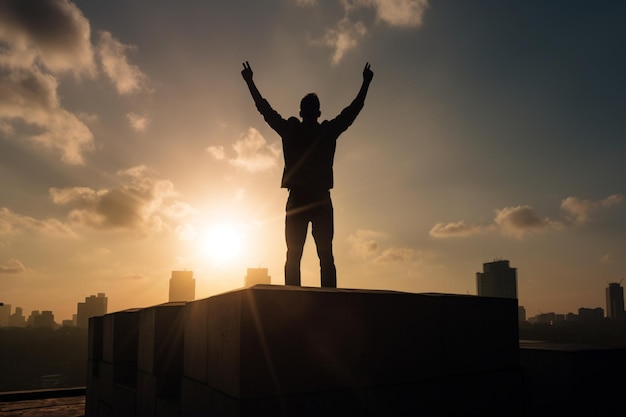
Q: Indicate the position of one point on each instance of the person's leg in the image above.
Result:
(323, 231)
(296, 225)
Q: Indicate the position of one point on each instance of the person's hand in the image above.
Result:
(367, 73)
(246, 73)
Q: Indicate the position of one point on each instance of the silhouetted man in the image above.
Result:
(309, 151)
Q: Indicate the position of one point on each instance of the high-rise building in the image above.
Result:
(590, 314)
(45, 319)
(17, 319)
(31, 319)
(498, 279)
(93, 306)
(5, 314)
(182, 286)
(615, 300)
(257, 276)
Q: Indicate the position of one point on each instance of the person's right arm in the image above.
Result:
(270, 115)
(247, 74)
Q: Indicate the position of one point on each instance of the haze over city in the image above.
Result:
(130, 146)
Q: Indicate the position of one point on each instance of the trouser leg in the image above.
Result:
(323, 231)
(296, 225)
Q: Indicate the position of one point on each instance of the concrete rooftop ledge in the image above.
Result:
(297, 351)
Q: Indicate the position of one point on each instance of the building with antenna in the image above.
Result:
(615, 300)
(257, 276)
(498, 279)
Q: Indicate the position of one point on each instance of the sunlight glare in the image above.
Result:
(222, 243)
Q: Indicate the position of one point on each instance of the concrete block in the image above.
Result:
(572, 379)
(275, 340)
(111, 374)
(124, 401)
(195, 344)
(160, 339)
(153, 388)
(485, 394)
(120, 331)
(479, 334)
(195, 399)
(167, 407)
(119, 401)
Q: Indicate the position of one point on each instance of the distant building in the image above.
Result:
(182, 286)
(17, 319)
(615, 300)
(92, 307)
(545, 318)
(590, 314)
(498, 279)
(521, 313)
(5, 314)
(31, 319)
(257, 276)
(45, 319)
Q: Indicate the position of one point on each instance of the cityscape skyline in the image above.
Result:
(182, 288)
(129, 145)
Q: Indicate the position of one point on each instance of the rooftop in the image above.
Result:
(68, 402)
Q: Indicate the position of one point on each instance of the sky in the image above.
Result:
(130, 145)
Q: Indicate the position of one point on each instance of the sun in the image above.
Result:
(222, 243)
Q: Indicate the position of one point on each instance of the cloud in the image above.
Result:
(13, 266)
(217, 152)
(364, 243)
(51, 33)
(459, 228)
(137, 122)
(141, 203)
(12, 224)
(126, 77)
(396, 255)
(607, 258)
(511, 221)
(31, 96)
(349, 30)
(579, 211)
(521, 220)
(344, 37)
(253, 152)
(398, 13)
(39, 41)
(306, 2)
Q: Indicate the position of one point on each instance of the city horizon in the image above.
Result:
(167, 298)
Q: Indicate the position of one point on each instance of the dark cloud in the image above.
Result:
(39, 40)
(141, 203)
(54, 31)
(512, 221)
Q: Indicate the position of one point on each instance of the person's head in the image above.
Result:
(310, 107)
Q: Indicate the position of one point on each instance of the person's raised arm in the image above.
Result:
(247, 73)
(367, 79)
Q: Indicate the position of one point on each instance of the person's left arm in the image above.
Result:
(349, 114)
